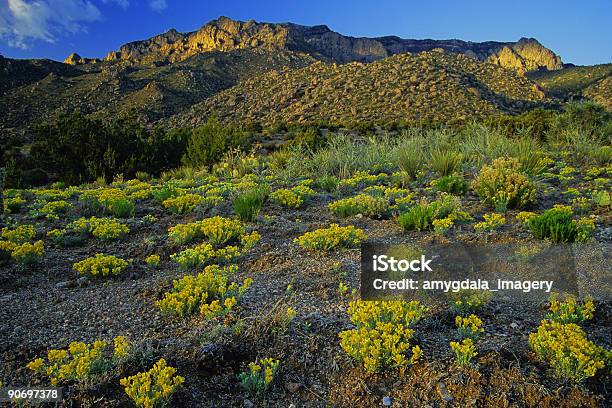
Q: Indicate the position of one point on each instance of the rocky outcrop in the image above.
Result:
(225, 34)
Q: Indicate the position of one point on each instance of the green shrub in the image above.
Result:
(210, 141)
(557, 225)
(445, 162)
(328, 183)
(411, 160)
(418, 217)
(452, 184)
(502, 186)
(123, 208)
(248, 203)
(421, 216)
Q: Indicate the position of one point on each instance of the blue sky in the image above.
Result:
(581, 32)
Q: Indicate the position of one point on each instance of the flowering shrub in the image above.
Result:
(184, 203)
(111, 200)
(469, 327)
(370, 206)
(325, 239)
(154, 387)
(53, 208)
(103, 228)
(566, 348)
(502, 186)
(286, 198)
(217, 229)
(468, 300)
(100, 265)
(13, 204)
(259, 376)
(491, 222)
(382, 335)
(28, 253)
(361, 179)
(19, 235)
(80, 361)
(464, 351)
(198, 256)
(152, 261)
(441, 226)
(210, 292)
(570, 310)
(524, 216)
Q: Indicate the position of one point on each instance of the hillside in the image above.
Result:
(167, 74)
(152, 91)
(573, 82)
(429, 86)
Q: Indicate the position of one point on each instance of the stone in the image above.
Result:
(293, 387)
(387, 401)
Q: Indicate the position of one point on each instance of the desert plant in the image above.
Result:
(152, 388)
(445, 162)
(452, 184)
(259, 376)
(570, 310)
(100, 265)
(373, 207)
(566, 348)
(381, 338)
(248, 203)
(468, 327)
(502, 186)
(557, 225)
(467, 300)
(464, 351)
(326, 239)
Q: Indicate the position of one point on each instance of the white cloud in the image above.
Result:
(22, 22)
(121, 3)
(158, 5)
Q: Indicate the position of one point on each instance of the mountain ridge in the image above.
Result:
(225, 34)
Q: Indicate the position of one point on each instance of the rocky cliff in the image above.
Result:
(224, 34)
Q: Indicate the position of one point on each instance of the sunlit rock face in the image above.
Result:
(225, 34)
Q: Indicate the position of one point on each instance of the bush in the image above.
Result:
(468, 300)
(286, 198)
(566, 348)
(491, 222)
(76, 148)
(570, 310)
(557, 225)
(183, 203)
(107, 229)
(452, 184)
(421, 216)
(248, 203)
(382, 335)
(154, 387)
(373, 207)
(464, 351)
(411, 159)
(217, 229)
(210, 293)
(100, 265)
(210, 141)
(445, 162)
(502, 186)
(259, 375)
(325, 239)
(80, 361)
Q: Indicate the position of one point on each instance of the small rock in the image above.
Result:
(83, 281)
(514, 325)
(247, 404)
(444, 392)
(293, 387)
(65, 284)
(387, 401)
